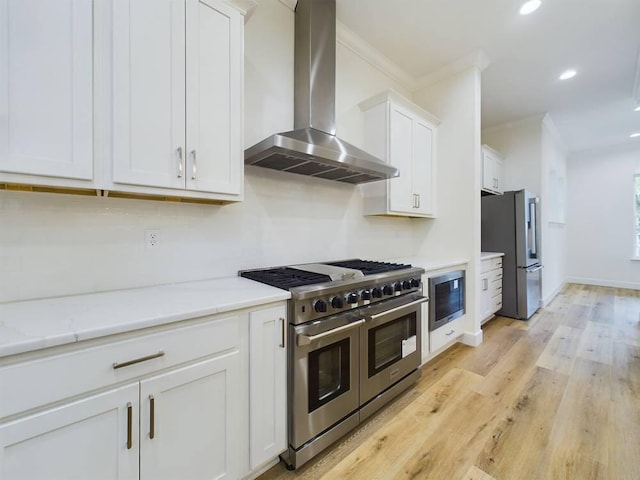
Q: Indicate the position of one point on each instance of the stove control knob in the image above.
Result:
(415, 283)
(406, 285)
(376, 292)
(397, 286)
(366, 295)
(337, 302)
(387, 290)
(320, 306)
(352, 298)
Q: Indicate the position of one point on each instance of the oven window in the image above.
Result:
(386, 342)
(449, 298)
(328, 373)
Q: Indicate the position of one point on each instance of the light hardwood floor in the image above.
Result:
(557, 397)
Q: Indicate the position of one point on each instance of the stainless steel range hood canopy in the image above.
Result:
(312, 148)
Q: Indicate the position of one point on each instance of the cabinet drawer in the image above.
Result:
(444, 335)
(497, 302)
(38, 382)
(495, 287)
(496, 274)
(496, 263)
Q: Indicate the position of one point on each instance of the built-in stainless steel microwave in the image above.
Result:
(446, 298)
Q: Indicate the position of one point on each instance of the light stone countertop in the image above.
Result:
(490, 255)
(36, 324)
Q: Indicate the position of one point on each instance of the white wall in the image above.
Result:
(600, 217)
(553, 193)
(455, 234)
(520, 143)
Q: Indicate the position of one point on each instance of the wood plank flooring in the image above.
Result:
(557, 397)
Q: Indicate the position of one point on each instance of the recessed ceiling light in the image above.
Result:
(634, 135)
(529, 7)
(637, 109)
(567, 74)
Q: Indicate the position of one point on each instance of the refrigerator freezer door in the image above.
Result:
(529, 291)
(527, 229)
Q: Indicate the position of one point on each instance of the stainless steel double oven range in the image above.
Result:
(354, 344)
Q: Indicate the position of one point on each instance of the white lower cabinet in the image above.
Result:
(170, 404)
(267, 385)
(490, 287)
(75, 438)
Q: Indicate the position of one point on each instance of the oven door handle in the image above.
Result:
(371, 318)
(307, 339)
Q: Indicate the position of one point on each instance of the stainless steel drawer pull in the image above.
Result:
(397, 309)
(282, 321)
(180, 167)
(138, 360)
(152, 417)
(450, 333)
(307, 339)
(194, 166)
(129, 426)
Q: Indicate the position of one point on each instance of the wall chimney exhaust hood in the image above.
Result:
(313, 148)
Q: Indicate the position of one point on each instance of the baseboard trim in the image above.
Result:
(549, 298)
(472, 339)
(604, 283)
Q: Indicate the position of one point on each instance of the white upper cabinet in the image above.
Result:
(491, 170)
(403, 135)
(46, 90)
(177, 98)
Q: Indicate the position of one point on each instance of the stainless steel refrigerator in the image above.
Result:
(511, 224)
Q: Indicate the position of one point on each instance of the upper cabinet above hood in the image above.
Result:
(312, 148)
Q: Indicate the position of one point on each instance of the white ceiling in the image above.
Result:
(599, 38)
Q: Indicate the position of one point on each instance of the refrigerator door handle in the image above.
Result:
(533, 237)
(534, 269)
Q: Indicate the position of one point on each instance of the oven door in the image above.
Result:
(390, 344)
(324, 375)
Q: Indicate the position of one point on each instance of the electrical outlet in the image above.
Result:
(151, 238)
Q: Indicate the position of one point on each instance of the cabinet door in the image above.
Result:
(401, 196)
(267, 384)
(422, 168)
(149, 92)
(189, 421)
(488, 171)
(46, 103)
(486, 295)
(214, 97)
(79, 440)
(497, 169)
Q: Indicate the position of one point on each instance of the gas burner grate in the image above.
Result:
(285, 277)
(369, 267)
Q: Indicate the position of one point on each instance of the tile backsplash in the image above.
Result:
(53, 245)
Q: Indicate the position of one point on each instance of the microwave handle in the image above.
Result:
(307, 339)
(397, 309)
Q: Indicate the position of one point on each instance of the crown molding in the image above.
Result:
(290, 4)
(476, 59)
(536, 118)
(246, 7)
(368, 53)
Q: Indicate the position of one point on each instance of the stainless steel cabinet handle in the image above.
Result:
(180, 164)
(450, 333)
(393, 310)
(129, 426)
(194, 165)
(152, 417)
(117, 365)
(282, 344)
(307, 339)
